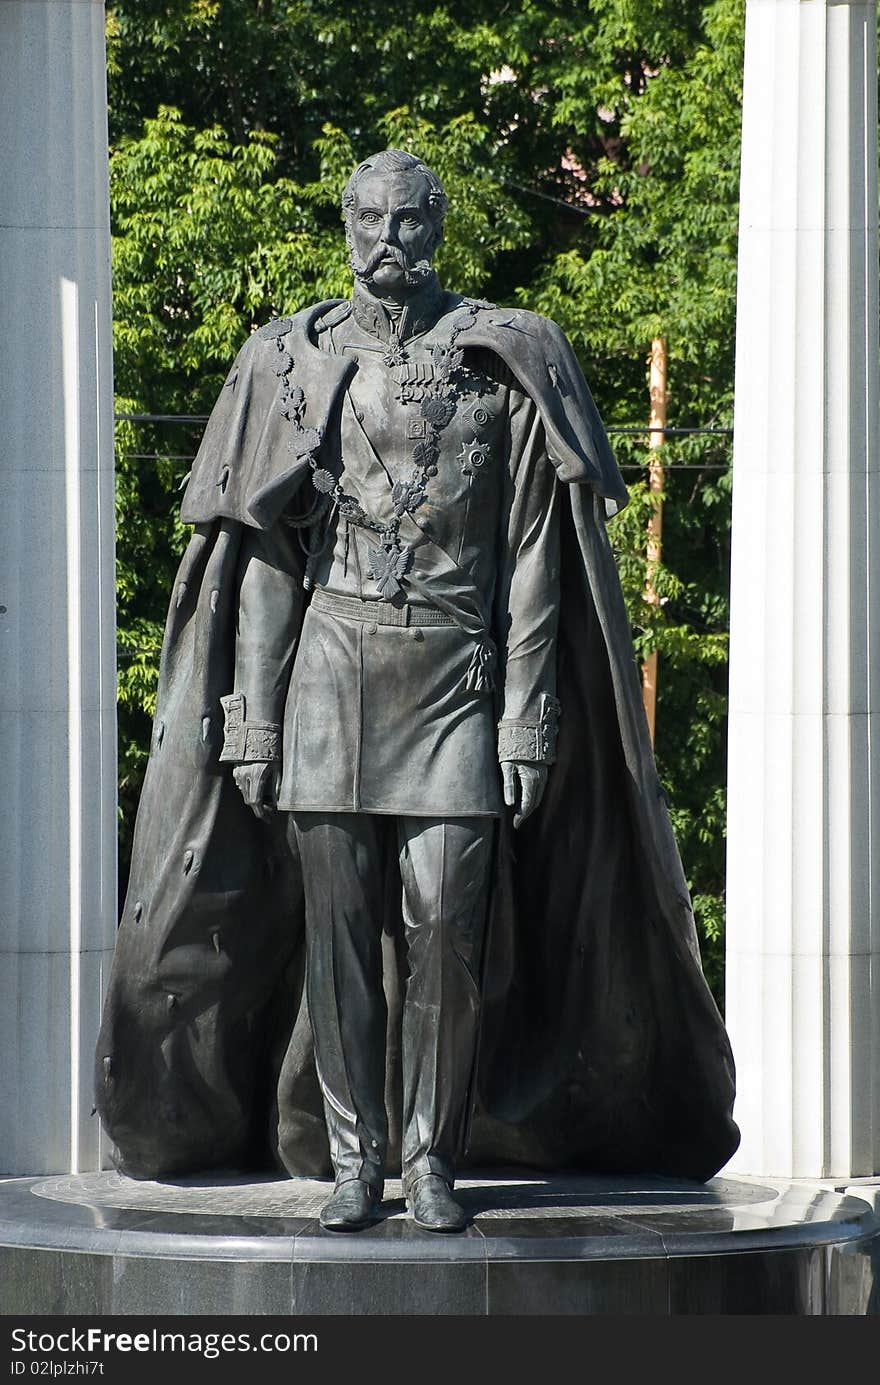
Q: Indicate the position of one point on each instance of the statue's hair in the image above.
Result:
(396, 161)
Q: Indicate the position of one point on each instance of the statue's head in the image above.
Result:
(393, 207)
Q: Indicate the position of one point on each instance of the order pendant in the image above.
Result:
(388, 564)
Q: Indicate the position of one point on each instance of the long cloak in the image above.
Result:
(601, 1046)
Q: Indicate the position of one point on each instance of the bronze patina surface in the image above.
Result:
(411, 900)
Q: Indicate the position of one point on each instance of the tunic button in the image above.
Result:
(359, 415)
(417, 635)
(370, 629)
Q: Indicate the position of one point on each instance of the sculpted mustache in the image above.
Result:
(384, 252)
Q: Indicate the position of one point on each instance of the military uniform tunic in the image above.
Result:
(401, 718)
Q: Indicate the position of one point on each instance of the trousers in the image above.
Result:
(444, 868)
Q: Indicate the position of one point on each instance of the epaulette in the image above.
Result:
(276, 328)
(333, 318)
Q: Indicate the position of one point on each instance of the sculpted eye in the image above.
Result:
(369, 218)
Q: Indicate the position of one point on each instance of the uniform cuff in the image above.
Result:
(246, 741)
(535, 741)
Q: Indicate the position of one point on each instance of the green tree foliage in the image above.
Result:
(591, 156)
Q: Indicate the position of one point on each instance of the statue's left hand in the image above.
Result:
(258, 785)
(524, 785)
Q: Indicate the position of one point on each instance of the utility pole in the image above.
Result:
(656, 438)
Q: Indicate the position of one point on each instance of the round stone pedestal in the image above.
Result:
(103, 1244)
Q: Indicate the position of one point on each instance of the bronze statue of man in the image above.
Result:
(400, 592)
(427, 654)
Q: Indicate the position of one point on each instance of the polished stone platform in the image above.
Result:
(102, 1244)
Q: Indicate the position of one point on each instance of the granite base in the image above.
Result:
(104, 1244)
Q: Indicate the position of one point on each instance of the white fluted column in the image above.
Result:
(803, 923)
(57, 631)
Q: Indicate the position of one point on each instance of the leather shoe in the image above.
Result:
(433, 1207)
(354, 1204)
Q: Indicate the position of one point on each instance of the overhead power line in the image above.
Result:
(624, 466)
(645, 429)
(632, 428)
(161, 418)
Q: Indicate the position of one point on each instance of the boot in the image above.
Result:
(432, 1205)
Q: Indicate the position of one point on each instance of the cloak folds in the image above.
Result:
(601, 1047)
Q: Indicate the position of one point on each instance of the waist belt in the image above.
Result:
(377, 612)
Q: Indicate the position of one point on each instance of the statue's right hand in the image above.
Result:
(258, 784)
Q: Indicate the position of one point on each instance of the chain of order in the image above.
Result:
(438, 408)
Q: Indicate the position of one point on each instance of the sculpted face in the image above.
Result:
(392, 232)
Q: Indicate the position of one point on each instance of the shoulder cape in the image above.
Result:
(246, 469)
(601, 1046)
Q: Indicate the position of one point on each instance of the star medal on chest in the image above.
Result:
(395, 354)
(472, 456)
(389, 562)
